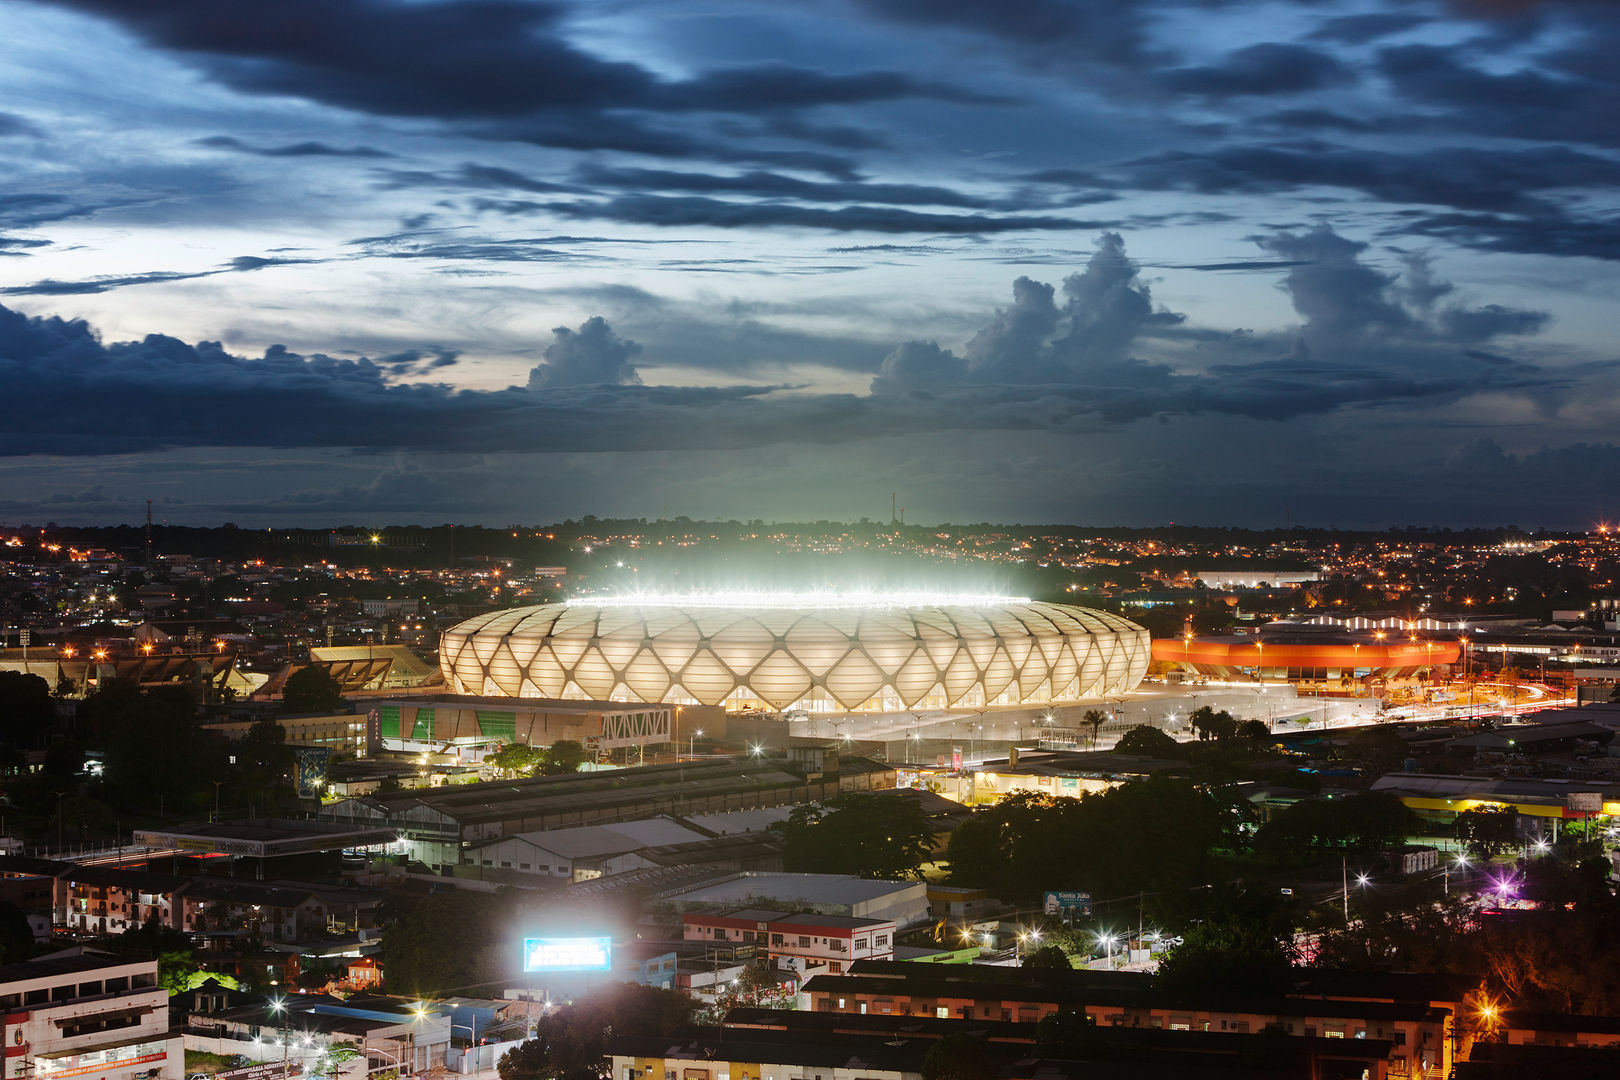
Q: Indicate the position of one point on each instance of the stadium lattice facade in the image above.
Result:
(817, 655)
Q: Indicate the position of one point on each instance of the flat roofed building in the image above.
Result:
(806, 943)
(86, 1014)
(903, 902)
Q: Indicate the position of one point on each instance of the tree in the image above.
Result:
(1253, 731)
(562, 757)
(448, 941)
(1238, 942)
(1371, 820)
(16, 936)
(1488, 832)
(865, 833)
(1095, 718)
(1156, 833)
(516, 759)
(1380, 749)
(264, 757)
(957, 1056)
(26, 709)
(1210, 724)
(1144, 740)
(570, 1042)
(311, 689)
(1048, 956)
(156, 754)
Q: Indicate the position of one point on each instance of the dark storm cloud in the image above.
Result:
(1577, 104)
(486, 59)
(1314, 120)
(1261, 70)
(291, 150)
(1361, 29)
(776, 185)
(1463, 177)
(1060, 30)
(1538, 234)
(677, 211)
(596, 132)
(1040, 364)
(469, 175)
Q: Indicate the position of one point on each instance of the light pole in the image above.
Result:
(279, 1005)
(1460, 864)
(691, 748)
(1108, 940)
(677, 733)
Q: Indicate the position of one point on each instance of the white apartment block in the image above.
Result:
(82, 1014)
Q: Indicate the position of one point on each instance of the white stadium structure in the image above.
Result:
(819, 652)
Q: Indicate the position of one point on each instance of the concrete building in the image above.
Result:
(803, 943)
(579, 854)
(437, 826)
(904, 903)
(81, 1013)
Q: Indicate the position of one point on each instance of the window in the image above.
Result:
(776, 939)
(942, 1013)
(523, 866)
(880, 941)
(804, 941)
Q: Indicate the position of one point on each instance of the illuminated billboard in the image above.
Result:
(567, 954)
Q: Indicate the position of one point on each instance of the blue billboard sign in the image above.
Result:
(567, 954)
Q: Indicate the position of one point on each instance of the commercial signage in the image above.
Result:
(272, 1071)
(1068, 904)
(310, 770)
(567, 954)
(956, 759)
(1590, 802)
(107, 1066)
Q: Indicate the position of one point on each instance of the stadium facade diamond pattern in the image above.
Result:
(818, 654)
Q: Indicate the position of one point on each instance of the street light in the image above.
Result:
(1460, 864)
(691, 744)
(1108, 940)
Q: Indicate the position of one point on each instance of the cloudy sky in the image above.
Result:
(372, 261)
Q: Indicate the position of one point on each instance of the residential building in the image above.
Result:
(804, 943)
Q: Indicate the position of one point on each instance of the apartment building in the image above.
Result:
(85, 1014)
(1415, 1021)
(801, 942)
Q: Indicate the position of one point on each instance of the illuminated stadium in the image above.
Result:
(817, 652)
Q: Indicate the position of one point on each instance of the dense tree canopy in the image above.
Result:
(26, 709)
(571, 1042)
(1144, 835)
(311, 689)
(872, 835)
(1145, 740)
(156, 753)
(450, 941)
(1369, 821)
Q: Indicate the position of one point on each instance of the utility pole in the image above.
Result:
(148, 535)
(1344, 868)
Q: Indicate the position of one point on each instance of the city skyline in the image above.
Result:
(1331, 264)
